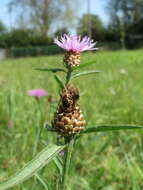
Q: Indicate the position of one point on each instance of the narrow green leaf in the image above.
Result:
(59, 81)
(85, 73)
(59, 165)
(104, 128)
(84, 65)
(54, 70)
(31, 168)
(42, 181)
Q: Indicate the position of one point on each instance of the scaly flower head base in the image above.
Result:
(72, 58)
(74, 44)
(68, 119)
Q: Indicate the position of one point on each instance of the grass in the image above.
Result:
(106, 161)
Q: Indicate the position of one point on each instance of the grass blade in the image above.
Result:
(85, 73)
(54, 70)
(84, 65)
(103, 128)
(42, 181)
(32, 167)
(59, 165)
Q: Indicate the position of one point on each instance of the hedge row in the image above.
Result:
(52, 50)
(34, 51)
(23, 38)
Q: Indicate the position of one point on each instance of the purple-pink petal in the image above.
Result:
(37, 93)
(75, 43)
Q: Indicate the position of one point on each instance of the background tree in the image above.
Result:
(41, 15)
(23, 38)
(61, 31)
(2, 27)
(97, 28)
(126, 17)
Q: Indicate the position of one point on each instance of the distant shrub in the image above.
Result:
(34, 51)
(109, 45)
(23, 38)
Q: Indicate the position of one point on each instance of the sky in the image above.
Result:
(4, 17)
(96, 7)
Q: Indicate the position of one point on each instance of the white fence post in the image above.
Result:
(2, 54)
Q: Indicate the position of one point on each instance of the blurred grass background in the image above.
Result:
(103, 161)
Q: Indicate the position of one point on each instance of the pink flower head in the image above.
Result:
(75, 43)
(37, 93)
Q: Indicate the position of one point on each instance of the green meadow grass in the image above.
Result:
(103, 161)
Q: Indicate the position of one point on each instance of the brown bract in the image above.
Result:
(68, 119)
(72, 58)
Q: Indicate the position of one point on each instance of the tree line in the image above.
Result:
(35, 20)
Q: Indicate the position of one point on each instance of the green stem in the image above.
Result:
(69, 73)
(39, 127)
(39, 131)
(67, 161)
(70, 143)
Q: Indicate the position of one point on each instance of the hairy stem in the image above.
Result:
(67, 161)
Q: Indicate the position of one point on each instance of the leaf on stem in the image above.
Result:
(59, 81)
(32, 167)
(85, 73)
(103, 128)
(53, 70)
(49, 127)
(84, 65)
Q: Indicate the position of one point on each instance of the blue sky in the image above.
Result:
(4, 13)
(96, 7)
